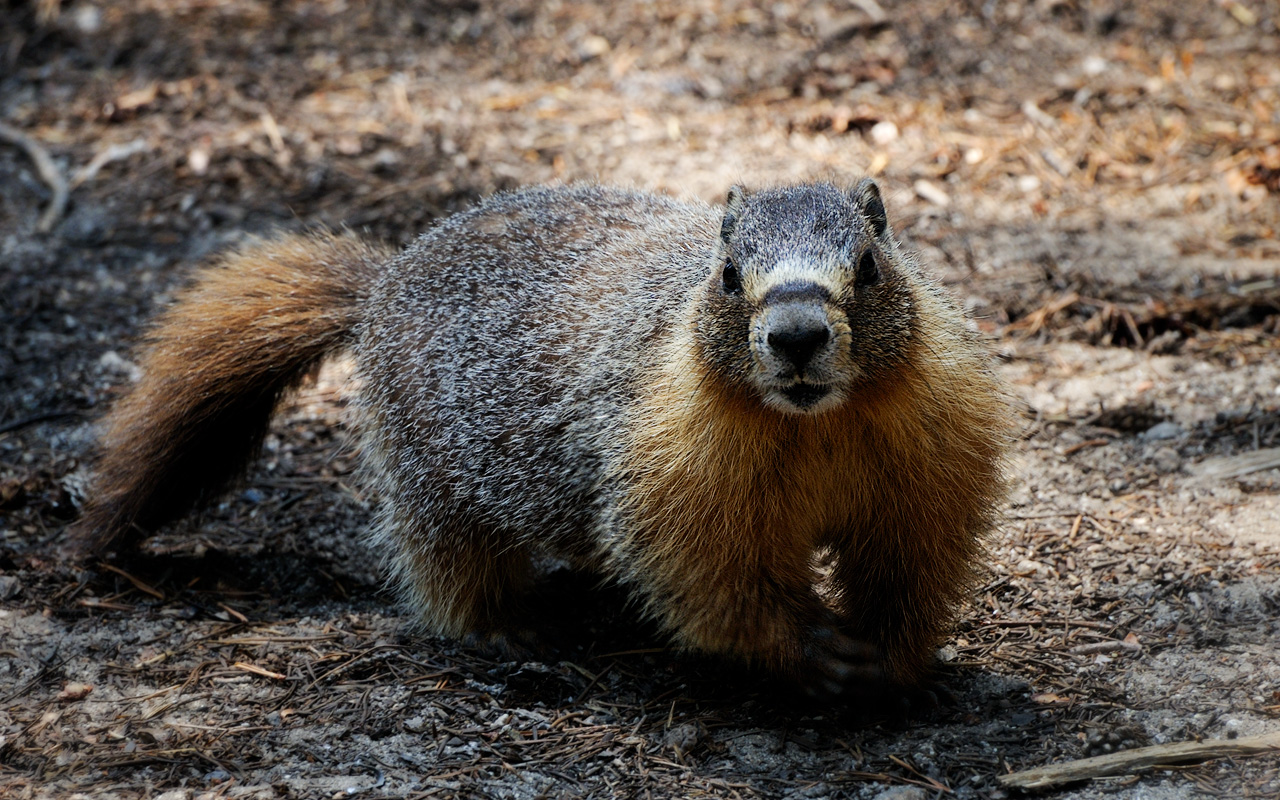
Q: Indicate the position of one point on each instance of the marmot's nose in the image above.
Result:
(798, 331)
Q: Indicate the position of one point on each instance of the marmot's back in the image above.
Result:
(505, 344)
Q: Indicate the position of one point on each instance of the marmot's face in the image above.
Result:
(806, 303)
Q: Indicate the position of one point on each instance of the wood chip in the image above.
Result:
(1237, 465)
(256, 670)
(49, 173)
(1130, 761)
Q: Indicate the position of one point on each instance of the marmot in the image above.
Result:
(692, 401)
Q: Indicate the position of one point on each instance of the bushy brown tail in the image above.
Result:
(249, 329)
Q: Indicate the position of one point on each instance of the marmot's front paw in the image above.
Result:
(835, 663)
(519, 645)
(900, 703)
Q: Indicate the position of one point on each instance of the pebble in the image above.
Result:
(902, 793)
(593, 47)
(1161, 431)
(883, 132)
(1093, 65)
(932, 193)
(198, 161)
(683, 738)
(87, 18)
(1027, 567)
(1166, 460)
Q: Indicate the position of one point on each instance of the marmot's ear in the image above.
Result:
(866, 196)
(734, 202)
(737, 196)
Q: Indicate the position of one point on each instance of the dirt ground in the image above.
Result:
(1098, 181)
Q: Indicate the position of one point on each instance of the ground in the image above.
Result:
(1097, 181)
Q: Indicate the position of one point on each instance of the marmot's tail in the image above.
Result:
(251, 326)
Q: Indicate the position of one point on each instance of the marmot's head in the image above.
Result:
(808, 299)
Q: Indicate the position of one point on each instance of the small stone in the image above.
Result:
(1027, 567)
(1166, 460)
(87, 18)
(198, 161)
(932, 193)
(114, 362)
(217, 776)
(683, 738)
(74, 691)
(902, 793)
(1161, 431)
(883, 132)
(593, 47)
(1093, 65)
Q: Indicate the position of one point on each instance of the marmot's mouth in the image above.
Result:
(804, 395)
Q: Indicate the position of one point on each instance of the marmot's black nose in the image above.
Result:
(798, 331)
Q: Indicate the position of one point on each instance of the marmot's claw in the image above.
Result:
(836, 663)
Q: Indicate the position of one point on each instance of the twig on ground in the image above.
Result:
(1129, 761)
(1238, 465)
(49, 173)
(1078, 446)
(137, 583)
(115, 152)
(1095, 648)
(18, 424)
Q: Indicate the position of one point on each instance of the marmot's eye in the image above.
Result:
(868, 271)
(732, 279)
